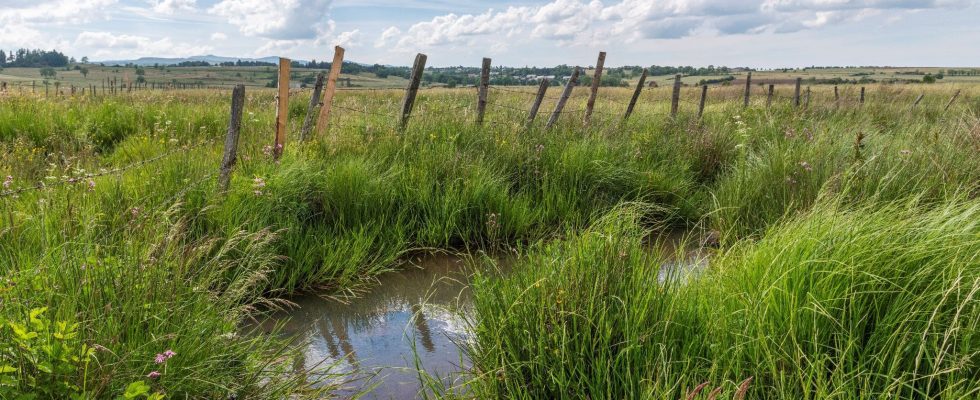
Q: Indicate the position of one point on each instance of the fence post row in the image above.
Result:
(413, 87)
(231, 139)
(675, 97)
(282, 108)
(594, 92)
(542, 89)
(481, 101)
(314, 102)
(327, 103)
(565, 94)
(636, 94)
(748, 89)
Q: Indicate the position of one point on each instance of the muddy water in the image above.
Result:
(413, 315)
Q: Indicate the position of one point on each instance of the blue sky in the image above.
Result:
(756, 33)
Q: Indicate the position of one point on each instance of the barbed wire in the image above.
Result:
(114, 171)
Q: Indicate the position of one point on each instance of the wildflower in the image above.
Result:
(806, 166)
(169, 353)
(135, 212)
(790, 180)
(267, 150)
(163, 357)
(258, 182)
(153, 375)
(8, 181)
(91, 185)
(904, 153)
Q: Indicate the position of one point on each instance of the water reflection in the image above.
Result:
(376, 337)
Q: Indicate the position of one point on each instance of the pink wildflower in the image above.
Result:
(7, 182)
(153, 375)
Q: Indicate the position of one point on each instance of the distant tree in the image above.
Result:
(929, 79)
(85, 60)
(84, 71)
(3, 58)
(48, 72)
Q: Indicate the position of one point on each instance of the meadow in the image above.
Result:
(847, 261)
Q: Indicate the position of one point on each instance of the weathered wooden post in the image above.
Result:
(796, 93)
(675, 97)
(862, 95)
(836, 97)
(314, 102)
(282, 108)
(917, 100)
(772, 91)
(542, 89)
(636, 94)
(418, 68)
(704, 97)
(748, 89)
(231, 139)
(806, 101)
(594, 91)
(481, 101)
(951, 100)
(327, 103)
(565, 94)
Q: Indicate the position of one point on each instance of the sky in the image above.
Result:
(751, 33)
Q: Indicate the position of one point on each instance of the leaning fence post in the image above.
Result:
(704, 97)
(314, 102)
(772, 91)
(951, 100)
(282, 108)
(481, 101)
(748, 89)
(796, 93)
(917, 100)
(675, 97)
(413, 87)
(565, 94)
(636, 94)
(231, 139)
(327, 103)
(594, 91)
(542, 89)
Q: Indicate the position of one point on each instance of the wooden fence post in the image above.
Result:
(806, 102)
(282, 108)
(796, 93)
(917, 100)
(951, 100)
(862, 95)
(314, 102)
(231, 139)
(542, 89)
(704, 97)
(836, 97)
(675, 97)
(748, 89)
(772, 91)
(413, 87)
(565, 94)
(481, 101)
(594, 92)
(636, 94)
(327, 103)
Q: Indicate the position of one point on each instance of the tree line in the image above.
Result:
(36, 58)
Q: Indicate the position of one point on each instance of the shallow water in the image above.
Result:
(415, 311)
(374, 335)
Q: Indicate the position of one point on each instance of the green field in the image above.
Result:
(847, 262)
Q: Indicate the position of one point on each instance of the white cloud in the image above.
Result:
(276, 19)
(172, 6)
(569, 22)
(218, 36)
(125, 46)
(56, 12)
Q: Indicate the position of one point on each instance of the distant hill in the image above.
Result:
(212, 59)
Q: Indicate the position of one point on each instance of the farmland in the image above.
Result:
(842, 237)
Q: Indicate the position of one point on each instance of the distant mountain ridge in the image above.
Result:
(210, 58)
